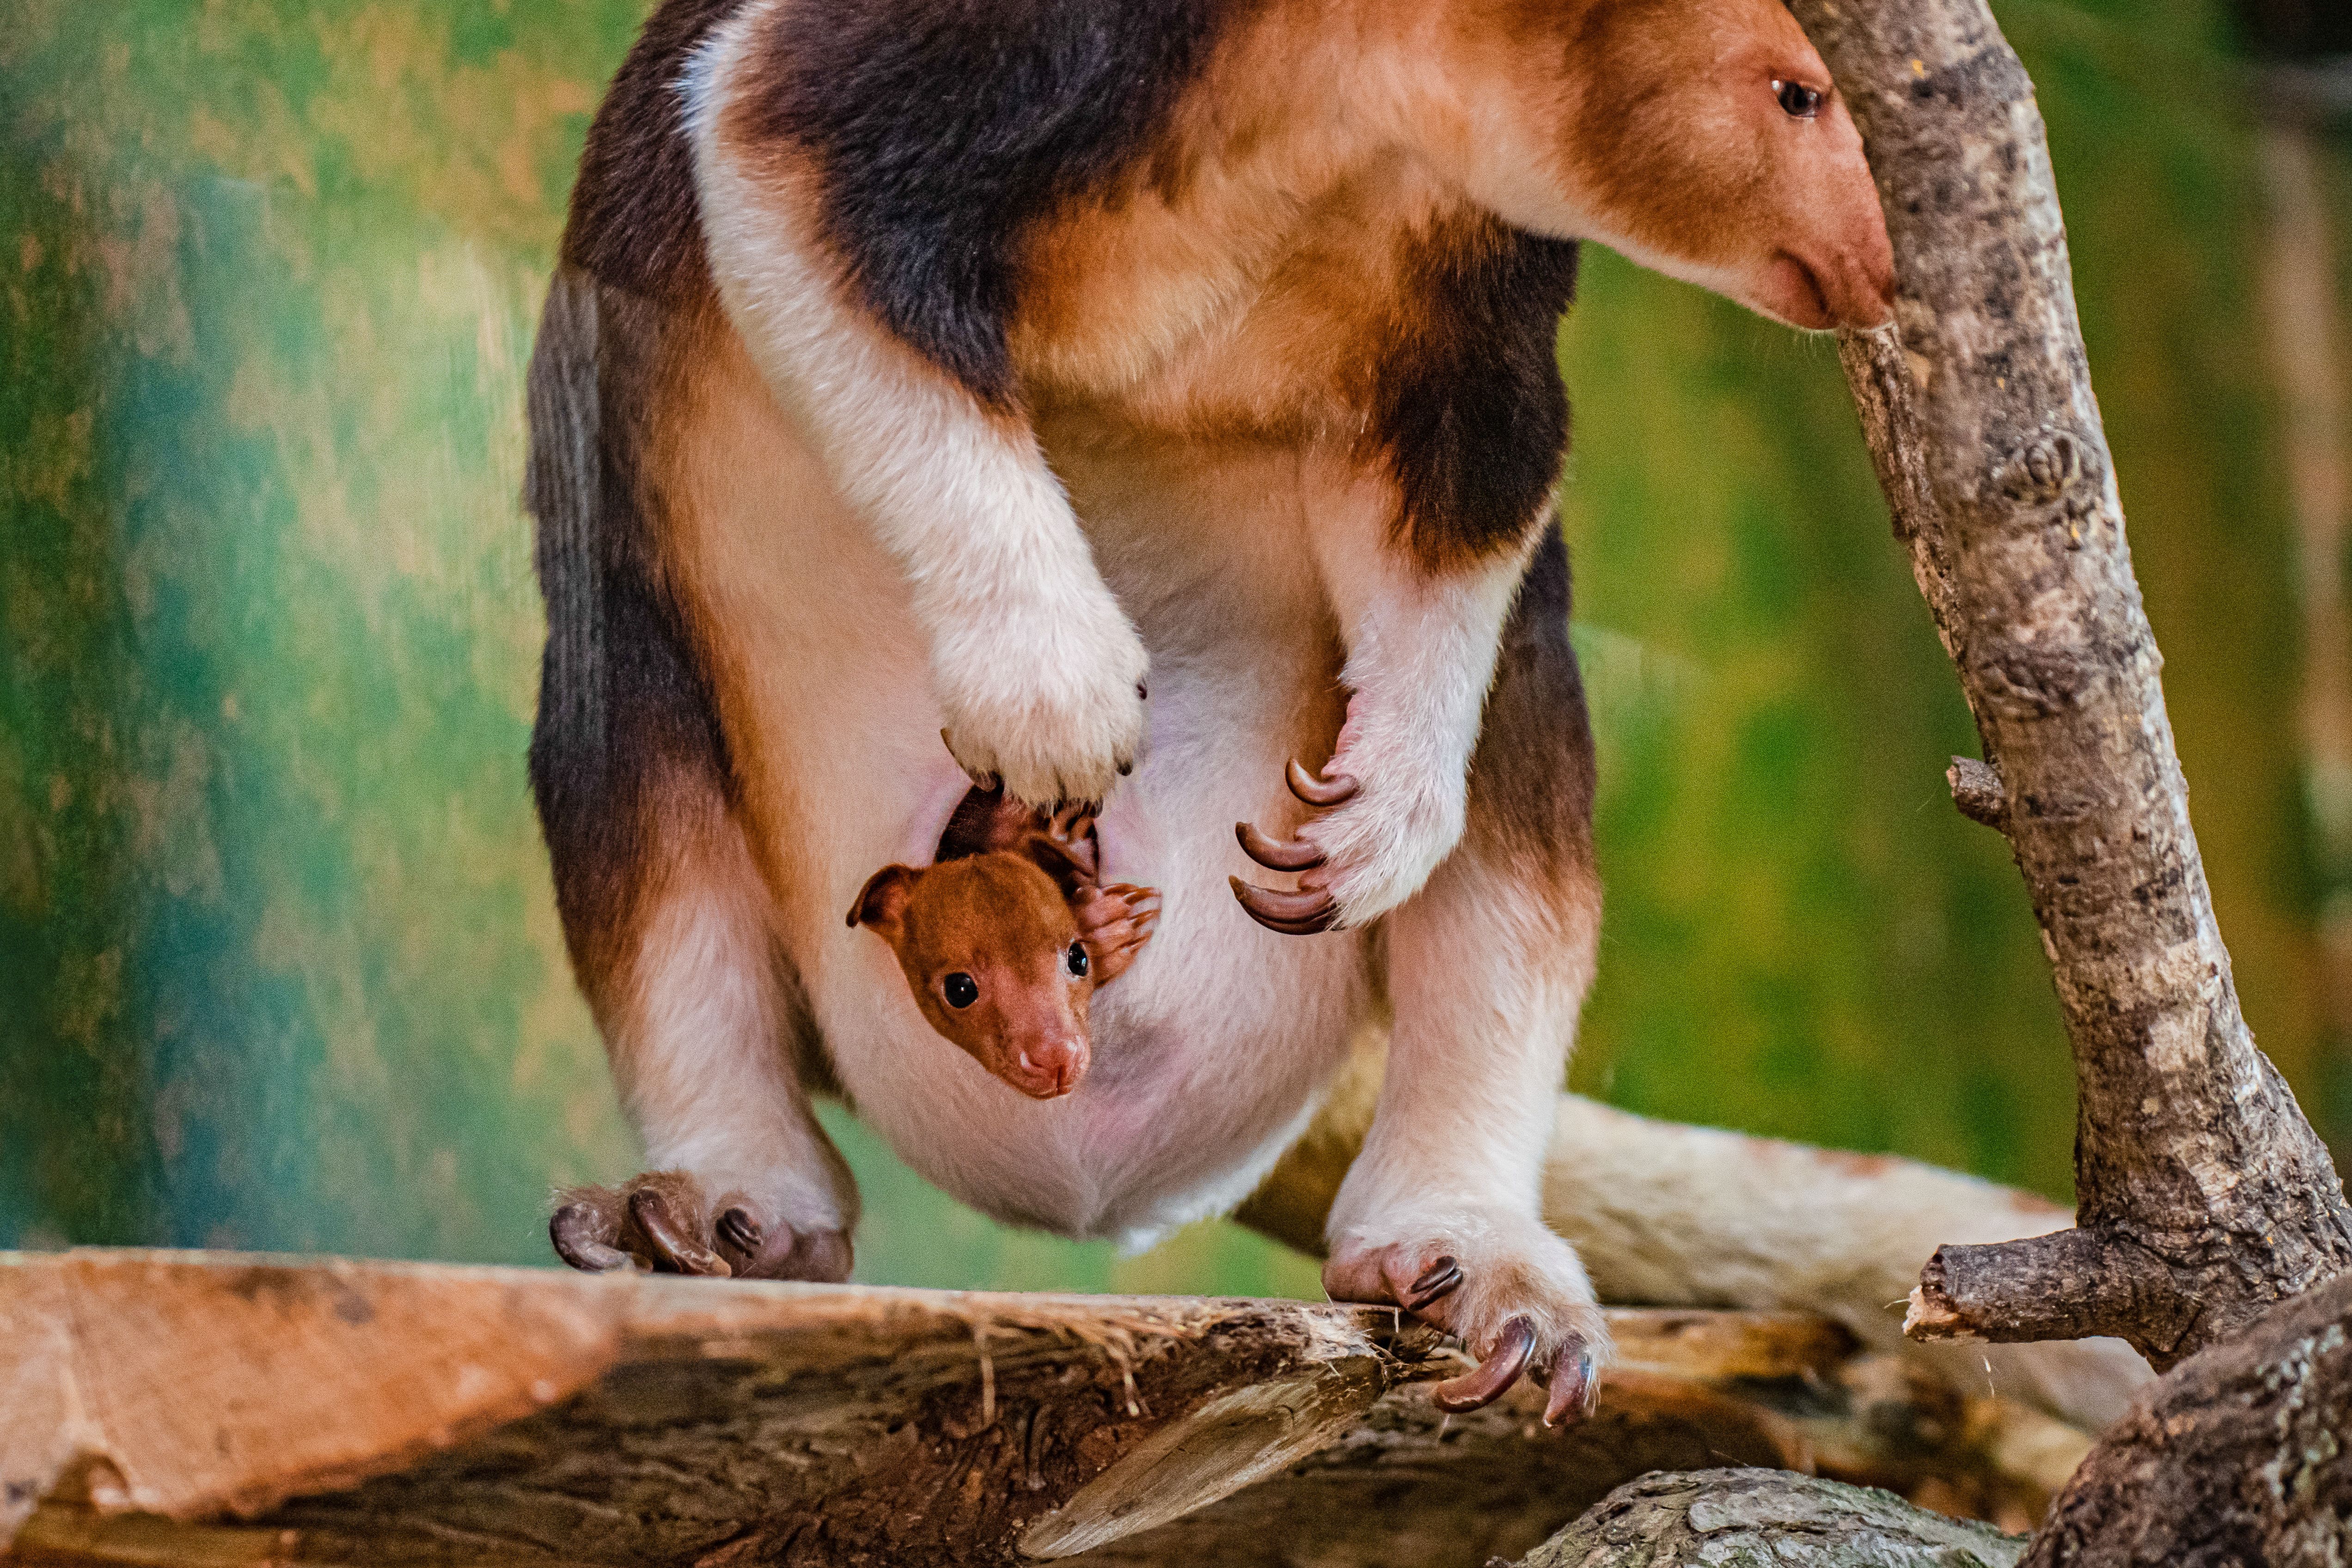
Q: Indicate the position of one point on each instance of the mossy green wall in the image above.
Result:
(279, 965)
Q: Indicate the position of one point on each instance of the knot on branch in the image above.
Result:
(2056, 478)
(1977, 792)
(2023, 681)
(2046, 468)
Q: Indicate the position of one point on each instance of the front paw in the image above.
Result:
(662, 1222)
(1509, 1289)
(1115, 922)
(1054, 717)
(1386, 817)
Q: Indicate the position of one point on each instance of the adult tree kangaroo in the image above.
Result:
(1150, 397)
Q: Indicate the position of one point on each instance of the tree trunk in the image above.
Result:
(2204, 1196)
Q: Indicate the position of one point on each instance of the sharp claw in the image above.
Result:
(1575, 1386)
(1492, 1377)
(981, 778)
(651, 1211)
(1441, 1281)
(572, 1229)
(1302, 914)
(740, 1231)
(1320, 791)
(1290, 927)
(1275, 854)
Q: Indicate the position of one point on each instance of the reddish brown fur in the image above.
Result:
(1007, 921)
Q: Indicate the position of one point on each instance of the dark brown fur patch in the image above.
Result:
(1465, 402)
(635, 221)
(1532, 776)
(627, 752)
(943, 129)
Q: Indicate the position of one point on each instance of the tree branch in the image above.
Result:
(2204, 1194)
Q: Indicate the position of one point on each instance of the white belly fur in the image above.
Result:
(1209, 1052)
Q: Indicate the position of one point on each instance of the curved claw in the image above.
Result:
(1320, 791)
(1575, 1385)
(1302, 914)
(738, 1229)
(1441, 1279)
(1486, 1383)
(573, 1229)
(651, 1211)
(1273, 854)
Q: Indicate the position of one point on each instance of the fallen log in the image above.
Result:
(385, 1412)
(167, 1408)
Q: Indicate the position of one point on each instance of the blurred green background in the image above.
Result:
(279, 962)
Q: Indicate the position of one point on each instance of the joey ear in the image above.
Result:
(882, 902)
(1058, 864)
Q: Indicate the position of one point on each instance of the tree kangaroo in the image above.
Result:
(1160, 398)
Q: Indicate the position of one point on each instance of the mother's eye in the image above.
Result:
(1799, 101)
(960, 990)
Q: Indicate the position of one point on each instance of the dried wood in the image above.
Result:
(414, 1412)
(2204, 1194)
(192, 1408)
(1411, 1488)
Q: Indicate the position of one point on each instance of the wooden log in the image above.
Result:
(2205, 1197)
(170, 1409)
(1741, 1516)
(384, 1412)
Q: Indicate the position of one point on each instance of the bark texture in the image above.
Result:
(2241, 1458)
(385, 1413)
(160, 1409)
(1770, 1519)
(2204, 1196)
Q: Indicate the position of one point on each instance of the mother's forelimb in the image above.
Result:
(1037, 669)
(1388, 805)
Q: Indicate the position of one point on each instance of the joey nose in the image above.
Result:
(1051, 1068)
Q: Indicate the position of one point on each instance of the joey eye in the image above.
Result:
(960, 990)
(1797, 100)
(1077, 960)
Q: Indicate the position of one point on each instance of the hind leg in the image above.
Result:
(1487, 966)
(695, 1013)
(665, 916)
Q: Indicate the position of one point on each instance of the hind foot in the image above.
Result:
(662, 1222)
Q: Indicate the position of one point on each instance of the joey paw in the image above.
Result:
(1115, 923)
(1523, 1310)
(661, 1223)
